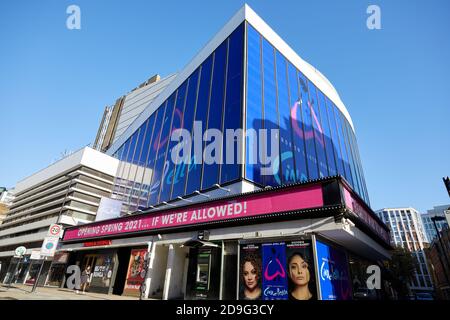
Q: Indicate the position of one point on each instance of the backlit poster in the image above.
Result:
(301, 270)
(102, 273)
(274, 282)
(135, 274)
(250, 273)
(333, 273)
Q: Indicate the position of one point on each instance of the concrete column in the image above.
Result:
(170, 262)
(174, 285)
(151, 252)
(156, 271)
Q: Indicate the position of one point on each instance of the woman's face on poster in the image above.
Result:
(250, 275)
(298, 271)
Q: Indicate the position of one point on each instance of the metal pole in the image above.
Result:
(38, 275)
(439, 255)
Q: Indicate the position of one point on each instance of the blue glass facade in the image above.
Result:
(315, 139)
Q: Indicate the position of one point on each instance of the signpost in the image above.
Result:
(19, 252)
(48, 248)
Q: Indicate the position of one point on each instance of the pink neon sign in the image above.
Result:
(222, 210)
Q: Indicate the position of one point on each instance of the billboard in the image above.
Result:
(221, 210)
(277, 271)
(136, 272)
(108, 209)
(334, 278)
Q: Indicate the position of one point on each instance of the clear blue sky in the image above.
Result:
(55, 82)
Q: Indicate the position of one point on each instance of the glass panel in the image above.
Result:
(335, 138)
(188, 119)
(298, 135)
(233, 104)
(254, 105)
(145, 143)
(201, 113)
(126, 148)
(166, 183)
(146, 159)
(313, 172)
(162, 147)
(132, 146)
(355, 172)
(348, 174)
(318, 131)
(286, 160)
(156, 151)
(211, 171)
(331, 160)
(139, 142)
(270, 112)
(360, 169)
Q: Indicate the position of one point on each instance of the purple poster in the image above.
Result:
(275, 282)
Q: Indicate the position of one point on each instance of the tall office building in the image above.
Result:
(6, 198)
(202, 218)
(118, 117)
(428, 224)
(408, 232)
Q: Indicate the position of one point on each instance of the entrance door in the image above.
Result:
(89, 260)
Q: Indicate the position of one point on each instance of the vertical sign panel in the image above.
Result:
(334, 278)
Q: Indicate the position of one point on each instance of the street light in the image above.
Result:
(434, 219)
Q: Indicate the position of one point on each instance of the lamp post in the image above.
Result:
(434, 219)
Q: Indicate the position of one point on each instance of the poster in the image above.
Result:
(135, 274)
(277, 271)
(274, 271)
(333, 272)
(250, 273)
(301, 270)
(102, 273)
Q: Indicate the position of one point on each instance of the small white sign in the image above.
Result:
(55, 230)
(20, 251)
(36, 255)
(108, 209)
(49, 246)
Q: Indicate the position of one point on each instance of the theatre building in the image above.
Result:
(281, 213)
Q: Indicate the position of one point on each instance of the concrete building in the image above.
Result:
(408, 232)
(117, 118)
(6, 198)
(428, 224)
(67, 192)
(198, 224)
(438, 255)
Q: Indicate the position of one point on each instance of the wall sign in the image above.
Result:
(254, 205)
(277, 271)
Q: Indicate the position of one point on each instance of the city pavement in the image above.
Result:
(23, 292)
